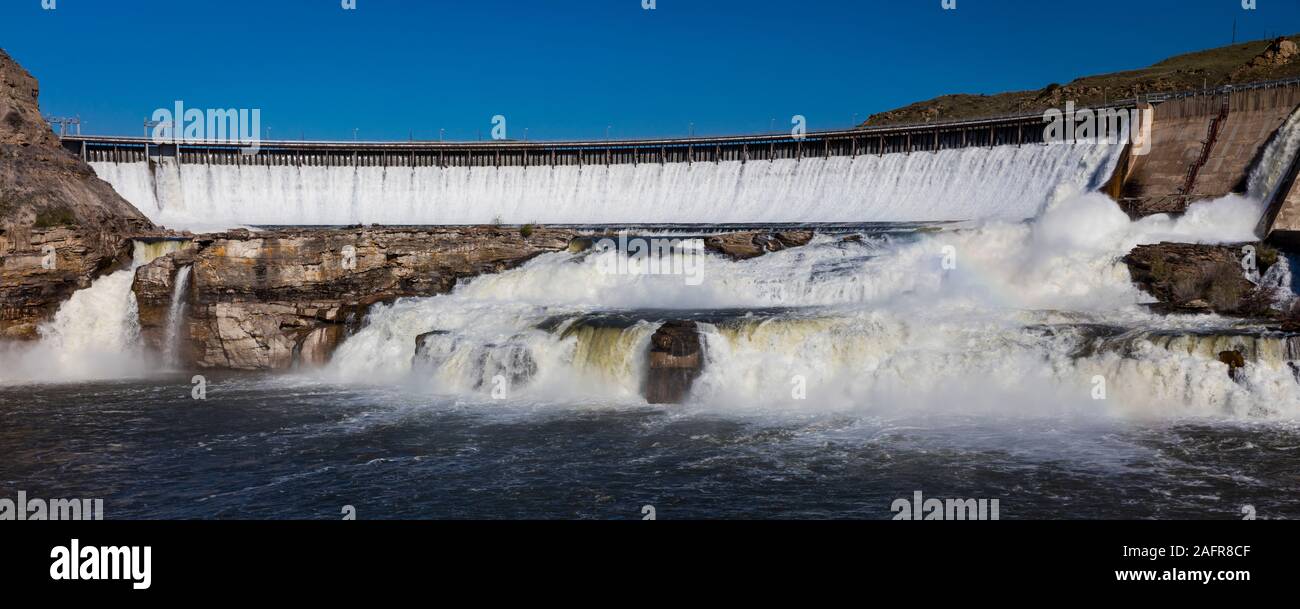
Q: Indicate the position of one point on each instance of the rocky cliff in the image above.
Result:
(275, 299)
(1188, 277)
(60, 225)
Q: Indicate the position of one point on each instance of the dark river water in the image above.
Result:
(264, 446)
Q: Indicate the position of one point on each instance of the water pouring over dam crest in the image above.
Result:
(1005, 181)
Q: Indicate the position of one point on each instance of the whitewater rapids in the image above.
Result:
(95, 335)
(1002, 315)
(877, 322)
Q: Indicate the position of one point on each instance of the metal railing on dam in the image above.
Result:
(850, 142)
(1011, 130)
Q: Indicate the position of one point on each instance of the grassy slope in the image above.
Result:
(1223, 65)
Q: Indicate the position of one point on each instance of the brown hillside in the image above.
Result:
(1239, 63)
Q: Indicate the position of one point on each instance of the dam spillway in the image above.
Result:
(948, 185)
(931, 172)
(940, 173)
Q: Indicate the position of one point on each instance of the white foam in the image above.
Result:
(881, 324)
(95, 334)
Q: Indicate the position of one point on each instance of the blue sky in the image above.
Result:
(570, 68)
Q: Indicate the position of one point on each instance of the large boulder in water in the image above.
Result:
(1197, 277)
(1236, 364)
(752, 244)
(675, 362)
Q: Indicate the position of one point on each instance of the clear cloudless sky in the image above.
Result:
(571, 68)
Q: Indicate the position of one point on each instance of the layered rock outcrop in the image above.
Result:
(154, 287)
(1196, 277)
(276, 299)
(60, 225)
(752, 244)
(741, 245)
(675, 362)
(1279, 53)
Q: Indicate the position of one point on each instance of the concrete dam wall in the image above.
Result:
(1203, 147)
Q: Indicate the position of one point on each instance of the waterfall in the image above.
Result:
(1275, 160)
(175, 317)
(95, 334)
(1009, 182)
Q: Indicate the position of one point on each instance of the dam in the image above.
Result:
(837, 176)
(1203, 145)
(944, 184)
